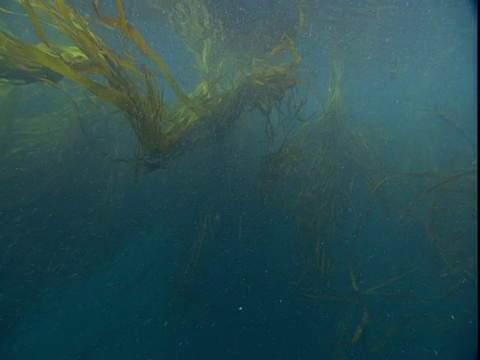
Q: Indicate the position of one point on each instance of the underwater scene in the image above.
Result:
(238, 179)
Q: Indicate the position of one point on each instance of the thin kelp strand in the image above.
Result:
(34, 19)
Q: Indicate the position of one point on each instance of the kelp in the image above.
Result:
(195, 253)
(21, 70)
(48, 137)
(164, 130)
(316, 173)
(438, 199)
(41, 140)
(20, 52)
(202, 35)
(330, 172)
(180, 304)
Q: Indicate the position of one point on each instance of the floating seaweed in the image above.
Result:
(164, 130)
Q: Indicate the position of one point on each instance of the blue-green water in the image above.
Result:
(193, 261)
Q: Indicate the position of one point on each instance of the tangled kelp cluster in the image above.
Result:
(164, 130)
(317, 175)
(317, 172)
